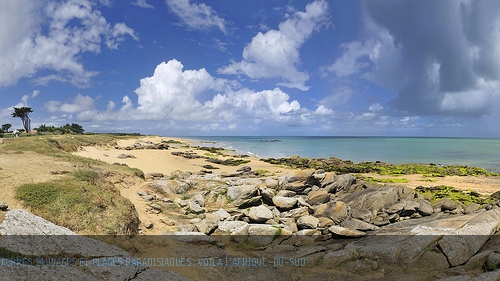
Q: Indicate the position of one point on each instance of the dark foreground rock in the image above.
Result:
(49, 252)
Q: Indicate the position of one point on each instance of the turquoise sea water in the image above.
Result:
(446, 151)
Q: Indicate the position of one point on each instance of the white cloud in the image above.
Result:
(57, 48)
(143, 4)
(322, 110)
(175, 94)
(351, 60)
(79, 104)
(276, 52)
(197, 16)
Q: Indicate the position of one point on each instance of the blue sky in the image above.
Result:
(187, 68)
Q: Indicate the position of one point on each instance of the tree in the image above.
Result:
(6, 127)
(23, 113)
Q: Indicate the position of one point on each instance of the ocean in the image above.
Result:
(397, 150)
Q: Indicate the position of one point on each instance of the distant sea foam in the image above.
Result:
(446, 151)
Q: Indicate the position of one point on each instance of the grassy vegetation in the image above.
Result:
(390, 180)
(343, 166)
(83, 201)
(466, 197)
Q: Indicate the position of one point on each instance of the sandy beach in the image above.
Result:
(162, 161)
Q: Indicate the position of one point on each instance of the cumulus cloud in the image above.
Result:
(178, 95)
(449, 65)
(79, 104)
(174, 93)
(322, 110)
(197, 16)
(276, 52)
(72, 28)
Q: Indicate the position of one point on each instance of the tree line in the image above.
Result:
(23, 113)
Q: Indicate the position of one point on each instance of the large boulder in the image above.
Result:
(318, 197)
(234, 227)
(358, 225)
(338, 183)
(260, 214)
(373, 199)
(244, 195)
(342, 231)
(470, 238)
(170, 187)
(284, 203)
(307, 222)
(337, 210)
(197, 204)
(296, 213)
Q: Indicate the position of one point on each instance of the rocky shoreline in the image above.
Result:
(306, 224)
(347, 222)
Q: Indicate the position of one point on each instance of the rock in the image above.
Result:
(207, 225)
(286, 193)
(170, 187)
(468, 240)
(336, 211)
(192, 237)
(221, 214)
(241, 193)
(324, 222)
(149, 225)
(141, 193)
(3, 206)
(307, 222)
(425, 208)
(148, 197)
(197, 204)
(244, 169)
(296, 213)
(284, 203)
(342, 231)
(254, 201)
(290, 223)
(239, 228)
(494, 259)
(405, 193)
(362, 214)
(260, 214)
(126, 156)
(155, 175)
(358, 225)
(210, 167)
(318, 197)
(155, 206)
(472, 208)
(267, 195)
(168, 221)
(337, 183)
(446, 204)
(297, 187)
(409, 208)
(373, 199)
(396, 208)
(263, 234)
(300, 176)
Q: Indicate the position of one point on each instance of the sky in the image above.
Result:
(254, 67)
